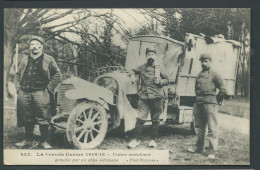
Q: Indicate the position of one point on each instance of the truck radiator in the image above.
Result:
(65, 104)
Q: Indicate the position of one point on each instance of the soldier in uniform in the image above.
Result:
(150, 97)
(205, 108)
(35, 81)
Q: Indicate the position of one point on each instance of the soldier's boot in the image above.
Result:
(137, 135)
(28, 137)
(152, 144)
(154, 134)
(200, 143)
(133, 143)
(44, 136)
(194, 150)
(211, 152)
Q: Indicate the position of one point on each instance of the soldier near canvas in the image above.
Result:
(205, 109)
(150, 97)
(35, 81)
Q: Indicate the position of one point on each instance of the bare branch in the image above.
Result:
(61, 15)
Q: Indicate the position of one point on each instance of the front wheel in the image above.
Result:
(87, 125)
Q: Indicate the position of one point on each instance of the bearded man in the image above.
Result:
(151, 97)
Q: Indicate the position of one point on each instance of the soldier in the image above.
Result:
(150, 97)
(35, 81)
(205, 107)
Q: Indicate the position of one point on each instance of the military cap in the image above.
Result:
(150, 49)
(205, 56)
(37, 38)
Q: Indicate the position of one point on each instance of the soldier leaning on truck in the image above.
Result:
(205, 108)
(150, 97)
(35, 81)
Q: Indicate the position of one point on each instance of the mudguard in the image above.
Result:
(125, 110)
(85, 89)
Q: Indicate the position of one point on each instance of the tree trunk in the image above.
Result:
(8, 55)
(75, 55)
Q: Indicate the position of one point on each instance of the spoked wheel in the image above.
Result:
(87, 125)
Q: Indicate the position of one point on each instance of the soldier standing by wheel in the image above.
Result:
(205, 108)
(150, 97)
(35, 81)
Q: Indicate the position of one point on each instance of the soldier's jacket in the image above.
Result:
(149, 90)
(207, 83)
(50, 70)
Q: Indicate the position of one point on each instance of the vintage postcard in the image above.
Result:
(135, 86)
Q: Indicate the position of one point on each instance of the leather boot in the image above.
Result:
(155, 130)
(138, 129)
(44, 136)
(28, 136)
(201, 141)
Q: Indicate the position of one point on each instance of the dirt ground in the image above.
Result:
(234, 147)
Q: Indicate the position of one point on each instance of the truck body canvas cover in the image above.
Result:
(224, 54)
(168, 51)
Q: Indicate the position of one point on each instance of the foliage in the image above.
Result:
(81, 40)
(233, 23)
(208, 21)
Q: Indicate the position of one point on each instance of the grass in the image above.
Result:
(236, 107)
(234, 147)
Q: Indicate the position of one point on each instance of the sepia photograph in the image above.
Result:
(126, 86)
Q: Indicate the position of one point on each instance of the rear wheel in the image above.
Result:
(87, 125)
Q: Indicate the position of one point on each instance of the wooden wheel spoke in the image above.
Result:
(96, 123)
(80, 121)
(84, 114)
(81, 134)
(91, 135)
(79, 128)
(86, 137)
(96, 130)
(95, 116)
(90, 114)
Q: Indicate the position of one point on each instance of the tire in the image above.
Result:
(87, 125)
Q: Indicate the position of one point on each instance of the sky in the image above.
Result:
(131, 19)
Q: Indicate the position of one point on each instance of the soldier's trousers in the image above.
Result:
(34, 107)
(154, 106)
(206, 117)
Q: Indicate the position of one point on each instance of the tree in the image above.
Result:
(231, 22)
(19, 24)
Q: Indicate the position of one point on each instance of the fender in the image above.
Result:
(85, 89)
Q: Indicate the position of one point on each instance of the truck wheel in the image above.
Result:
(87, 125)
